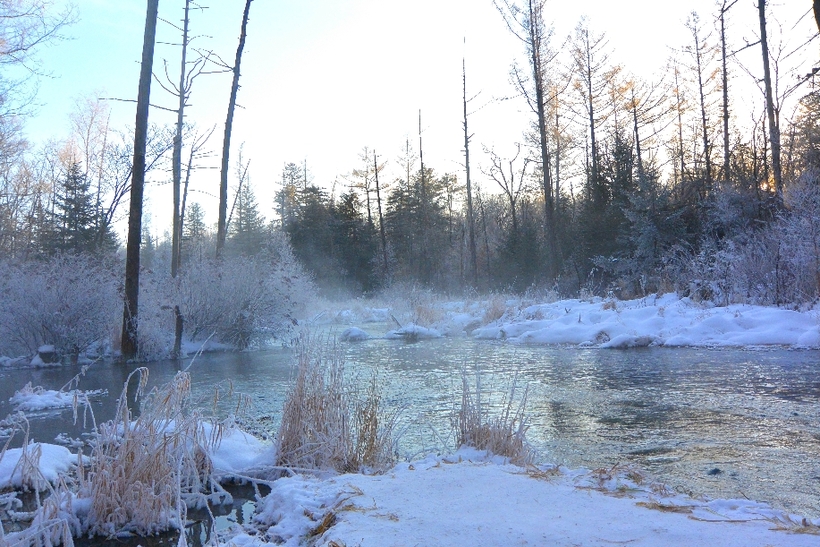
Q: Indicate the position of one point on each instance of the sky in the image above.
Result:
(321, 79)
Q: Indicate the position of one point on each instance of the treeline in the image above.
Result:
(619, 185)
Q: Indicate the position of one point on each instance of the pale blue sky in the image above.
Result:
(323, 78)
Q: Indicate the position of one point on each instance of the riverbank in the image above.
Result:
(469, 498)
(473, 498)
(655, 320)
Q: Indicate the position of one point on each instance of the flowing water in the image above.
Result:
(722, 423)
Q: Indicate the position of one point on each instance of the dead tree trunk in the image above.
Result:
(470, 217)
(381, 218)
(221, 230)
(132, 258)
(817, 13)
(774, 127)
(177, 155)
(726, 159)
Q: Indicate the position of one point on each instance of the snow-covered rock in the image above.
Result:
(353, 334)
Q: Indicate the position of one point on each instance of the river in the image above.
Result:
(724, 423)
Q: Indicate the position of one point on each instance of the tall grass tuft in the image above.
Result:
(325, 425)
(144, 470)
(503, 434)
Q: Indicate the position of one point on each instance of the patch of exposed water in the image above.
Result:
(722, 423)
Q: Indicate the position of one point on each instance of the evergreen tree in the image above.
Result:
(416, 224)
(247, 228)
(310, 229)
(194, 232)
(74, 224)
(195, 223)
(356, 243)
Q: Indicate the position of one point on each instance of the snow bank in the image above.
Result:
(34, 399)
(353, 334)
(238, 451)
(664, 320)
(412, 332)
(53, 461)
(652, 321)
(469, 499)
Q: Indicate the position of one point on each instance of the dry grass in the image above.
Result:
(496, 308)
(788, 524)
(325, 425)
(502, 435)
(666, 507)
(144, 470)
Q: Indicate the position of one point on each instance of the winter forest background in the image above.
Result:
(618, 186)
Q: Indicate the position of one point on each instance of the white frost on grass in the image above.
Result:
(35, 399)
(469, 499)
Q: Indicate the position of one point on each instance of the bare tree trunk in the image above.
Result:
(177, 156)
(680, 132)
(132, 259)
(817, 13)
(176, 238)
(470, 217)
(537, 61)
(774, 128)
(381, 218)
(726, 159)
(221, 231)
(707, 189)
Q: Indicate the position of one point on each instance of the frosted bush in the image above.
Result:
(68, 301)
(243, 301)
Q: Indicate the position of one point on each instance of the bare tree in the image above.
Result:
(132, 259)
(702, 54)
(725, 72)
(376, 169)
(226, 142)
(774, 126)
(526, 22)
(510, 178)
(470, 217)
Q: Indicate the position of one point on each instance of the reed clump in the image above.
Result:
(326, 422)
(502, 434)
(146, 470)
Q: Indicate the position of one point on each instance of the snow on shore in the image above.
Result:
(665, 320)
(472, 499)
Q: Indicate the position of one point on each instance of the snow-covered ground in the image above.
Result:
(472, 498)
(665, 320)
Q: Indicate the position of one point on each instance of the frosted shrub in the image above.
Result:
(68, 301)
(155, 330)
(243, 301)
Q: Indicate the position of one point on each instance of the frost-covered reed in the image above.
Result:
(329, 424)
(146, 470)
(502, 434)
